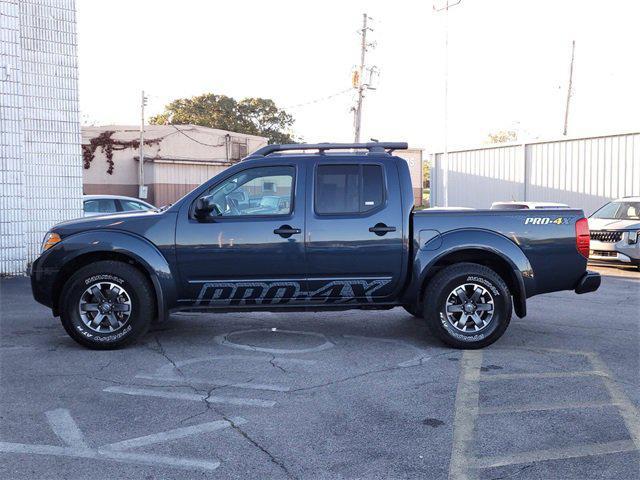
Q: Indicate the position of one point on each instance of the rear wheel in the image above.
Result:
(467, 306)
(107, 305)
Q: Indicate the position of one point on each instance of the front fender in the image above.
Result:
(50, 267)
(438, 247)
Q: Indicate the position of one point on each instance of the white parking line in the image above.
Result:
(195, 397)
(175, 434)
(214, 383)
(66, 428)
(99, 453)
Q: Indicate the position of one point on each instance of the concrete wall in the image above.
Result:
(175, 162)
(581, 172)
(40, 163)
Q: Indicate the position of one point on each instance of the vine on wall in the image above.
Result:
(108, 144)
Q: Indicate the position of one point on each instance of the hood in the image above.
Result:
(613, 224)
(119, 221)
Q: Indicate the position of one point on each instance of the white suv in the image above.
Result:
(615, 232)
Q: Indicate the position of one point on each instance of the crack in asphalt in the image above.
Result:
(510, 475)
(272, 458)
(273, 363)
(210, 407)
(422, 363)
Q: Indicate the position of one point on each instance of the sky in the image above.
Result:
(508, 64)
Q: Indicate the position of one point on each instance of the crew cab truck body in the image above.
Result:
(285, 231)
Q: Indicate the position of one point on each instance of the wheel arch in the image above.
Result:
(122, 247)
(481, 247)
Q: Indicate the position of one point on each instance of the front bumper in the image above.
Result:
(620, 252)
(42, 281)
(589, 282)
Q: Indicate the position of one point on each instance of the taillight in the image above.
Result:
(582, 237)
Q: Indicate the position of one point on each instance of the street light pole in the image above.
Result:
(445, 156)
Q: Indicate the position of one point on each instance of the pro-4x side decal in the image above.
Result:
(284, 292)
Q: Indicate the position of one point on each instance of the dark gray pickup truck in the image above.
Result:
(285, 230)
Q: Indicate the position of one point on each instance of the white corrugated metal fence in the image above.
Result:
(581, 172)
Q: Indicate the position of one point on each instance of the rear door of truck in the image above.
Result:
(354, 229)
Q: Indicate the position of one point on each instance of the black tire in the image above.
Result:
(413, 310)
(440, 292)
(138, 294)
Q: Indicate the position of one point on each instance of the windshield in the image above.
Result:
(619, 211)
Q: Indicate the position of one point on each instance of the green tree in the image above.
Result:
(502, 136)
(253, 116)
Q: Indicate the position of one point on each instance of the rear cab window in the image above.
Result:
(348, 189)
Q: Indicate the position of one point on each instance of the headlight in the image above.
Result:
(633, 237)
(50, 239)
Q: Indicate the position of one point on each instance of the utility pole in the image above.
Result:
(566, 110)
(358, 80)
(142, 189)
(445, 156)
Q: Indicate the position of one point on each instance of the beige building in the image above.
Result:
(413, 156)
(176, 158)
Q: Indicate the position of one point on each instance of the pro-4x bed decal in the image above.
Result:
(547, 220)
(280, 292)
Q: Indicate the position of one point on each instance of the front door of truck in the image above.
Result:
(354, 231)
(250, 249)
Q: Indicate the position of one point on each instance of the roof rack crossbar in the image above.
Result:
(372, 147)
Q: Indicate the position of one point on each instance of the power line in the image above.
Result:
(195, 140)
(318, 100)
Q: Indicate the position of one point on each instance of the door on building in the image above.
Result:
(250, 249)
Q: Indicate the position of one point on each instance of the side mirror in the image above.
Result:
(205, 208)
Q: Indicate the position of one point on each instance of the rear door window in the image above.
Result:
(348, 189)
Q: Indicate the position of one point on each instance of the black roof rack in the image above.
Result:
(373, 147)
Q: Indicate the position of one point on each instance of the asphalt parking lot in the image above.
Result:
(334, 395)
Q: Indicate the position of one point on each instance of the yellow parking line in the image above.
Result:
(627, 410)
(516, 376)
(555, 454)
(545, 407)
(466, 413)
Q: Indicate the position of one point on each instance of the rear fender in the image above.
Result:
(460, 245)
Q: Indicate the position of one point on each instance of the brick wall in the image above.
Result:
(41, 166)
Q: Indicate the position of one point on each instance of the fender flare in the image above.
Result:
(130, 245)
(443, 245)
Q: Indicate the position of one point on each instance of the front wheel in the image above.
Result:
(467, 306)
(107, 305)
(414, 310)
